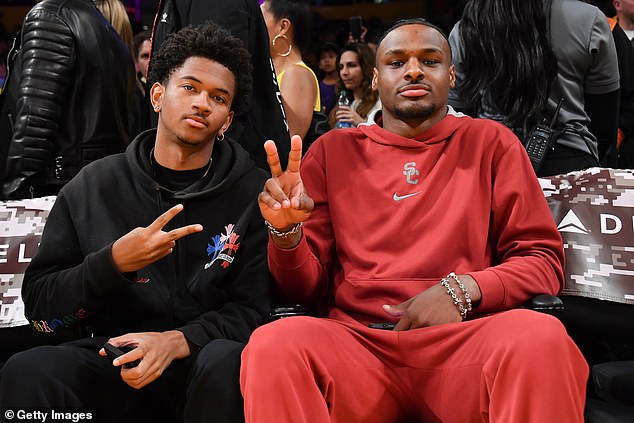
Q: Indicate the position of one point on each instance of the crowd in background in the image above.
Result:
(324, 73)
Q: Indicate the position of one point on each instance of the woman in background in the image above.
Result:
(356, 63)
(516, 59)
(114, 11)
(288, 23)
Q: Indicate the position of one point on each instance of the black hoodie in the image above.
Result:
(214, 284)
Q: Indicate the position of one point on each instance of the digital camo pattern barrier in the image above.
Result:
(594, 212)
(21, 226)
(593, 209)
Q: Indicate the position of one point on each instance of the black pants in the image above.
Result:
(564, 159)
(73, 377)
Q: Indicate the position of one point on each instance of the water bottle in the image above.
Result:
(343, 101)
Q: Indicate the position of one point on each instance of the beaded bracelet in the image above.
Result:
(456, 300)
(283, 234)
(465, 291)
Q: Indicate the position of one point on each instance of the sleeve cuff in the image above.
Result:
(288, 258)
(492, 290)
(109, 277)
(195, 335)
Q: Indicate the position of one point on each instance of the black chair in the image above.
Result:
(604, 331)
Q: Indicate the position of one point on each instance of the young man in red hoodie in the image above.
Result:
(428, 220)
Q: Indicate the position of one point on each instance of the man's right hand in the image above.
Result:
(143, 246)
(283, 201)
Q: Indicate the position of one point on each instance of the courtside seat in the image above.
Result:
(594, 211)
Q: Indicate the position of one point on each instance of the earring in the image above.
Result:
(220, 137)
(157, 107)
(290, 46)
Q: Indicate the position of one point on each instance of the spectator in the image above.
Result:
(388, 210)
(179, 273)
(625, 138)
(288, 22)
(264, 118)
(356, 63)
(328, 68)
(540, 58)
(625, 54)
(625, 16)
(115, 13)
(66, 105)
(142, 49)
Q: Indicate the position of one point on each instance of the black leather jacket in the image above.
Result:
(68, 98)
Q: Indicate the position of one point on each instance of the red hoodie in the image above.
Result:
(394, 215)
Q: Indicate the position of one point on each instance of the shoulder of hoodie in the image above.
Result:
(488, 137)
(106, 170)
(487, 133)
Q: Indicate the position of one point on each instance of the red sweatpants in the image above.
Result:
(511, 367)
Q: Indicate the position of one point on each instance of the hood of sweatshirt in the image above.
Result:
(230, 163)
(440, 132)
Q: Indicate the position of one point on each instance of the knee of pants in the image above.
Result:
(531, 335)
(31, 365)
(280, 341)
(218, 358)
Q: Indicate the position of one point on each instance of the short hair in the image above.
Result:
(208, 41)
(139, 39)
(412, 21)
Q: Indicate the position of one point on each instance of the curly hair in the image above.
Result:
(366, 61)
(511, 35)
(212, 42)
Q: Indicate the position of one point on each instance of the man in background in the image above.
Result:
(68, 98)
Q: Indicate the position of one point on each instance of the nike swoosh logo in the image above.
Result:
(403, 197)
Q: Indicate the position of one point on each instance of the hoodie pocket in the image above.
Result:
(367, 296)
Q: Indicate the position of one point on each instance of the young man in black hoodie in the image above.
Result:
(161, 249)
(264, 118)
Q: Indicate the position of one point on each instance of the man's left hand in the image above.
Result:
(156, 350)
(432, 306)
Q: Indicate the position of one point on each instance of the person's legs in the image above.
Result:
(67, 377)
(303, 369)
(214, 388)
(518, 365)
(535, 371)
(514, 366)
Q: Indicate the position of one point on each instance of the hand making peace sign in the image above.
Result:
(283, 201)
(143, 246)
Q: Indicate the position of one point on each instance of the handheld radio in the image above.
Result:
(540, 139)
